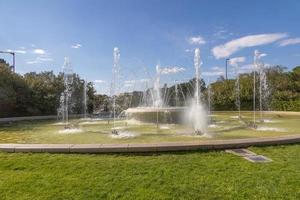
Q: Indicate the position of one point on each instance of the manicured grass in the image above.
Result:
(189, 175)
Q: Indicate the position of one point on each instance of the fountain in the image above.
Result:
(263, 89)
(237, 92)
(157, 100)
(85, 99)
(154, 110)
(235, 63)
(197, 114)
(156, 122)
(176, 94)
(209, 101)
(209, 97)
(157, 113)
(66, 95)
(61, 108)
(256, 63)
(115, 85)
(263, 86)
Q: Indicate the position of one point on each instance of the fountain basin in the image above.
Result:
(168, 115)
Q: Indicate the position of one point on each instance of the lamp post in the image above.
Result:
(14, 59)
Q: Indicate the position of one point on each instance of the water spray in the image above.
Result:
(68, 81)
(116, 71)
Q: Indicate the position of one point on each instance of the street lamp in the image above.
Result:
(226, 63)
(14, 60)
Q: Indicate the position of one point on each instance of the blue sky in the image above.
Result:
(43, 32)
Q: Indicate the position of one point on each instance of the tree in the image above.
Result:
(14, 93)
(38, 93)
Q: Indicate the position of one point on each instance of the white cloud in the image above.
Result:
(211, 73)
(39, 51)
(290, 41)
(17, 51)
(144, 80)
(247, 68)
(227, 49)
(76, 46)
(236, 60)
(196, 40)
(188, 50)
(132, 82)
(221, 33)
(44, 58)
(250, 67)
(216, 71)
(99, 81)
(20, 51)
(263, 55)
(171, 70)
(31, 62)
(128, 84)
(40, 59)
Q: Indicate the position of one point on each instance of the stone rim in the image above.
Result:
(151, 147)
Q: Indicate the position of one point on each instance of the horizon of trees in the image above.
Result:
(283, 92)
(39, 93)
(36, 94)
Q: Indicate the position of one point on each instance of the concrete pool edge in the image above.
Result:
(152, 147)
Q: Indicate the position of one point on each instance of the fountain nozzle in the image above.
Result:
(114, 132)
(198, 132)
(252, 125)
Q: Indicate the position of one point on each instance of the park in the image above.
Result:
(215, 117)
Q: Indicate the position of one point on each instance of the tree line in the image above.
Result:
(39, 93)
(34, 94)
(283, 92)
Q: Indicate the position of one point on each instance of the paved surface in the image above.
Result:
(155, 147)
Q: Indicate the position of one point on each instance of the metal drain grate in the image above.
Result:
(241, 152)
(249, 155)
(258, 158)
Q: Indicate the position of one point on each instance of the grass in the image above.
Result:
(191, 175)
(45, 131)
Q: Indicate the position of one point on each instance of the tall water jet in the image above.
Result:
(209, 97)
(255, 67)
(235, 63)
(260, 90)
(115, 79)
(197, 75)
(176, 94)
(61, 109)
(209, 93)
(197, 113)
(85, 99)
(68, 81)
(145, 102)
(237, 89)
(157, 100)
(263, 86)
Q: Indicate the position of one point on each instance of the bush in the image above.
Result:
(291, 105)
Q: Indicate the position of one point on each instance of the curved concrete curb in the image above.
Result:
(157, 147)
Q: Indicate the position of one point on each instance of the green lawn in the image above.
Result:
(190, 175)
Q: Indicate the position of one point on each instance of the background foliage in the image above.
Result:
(39, 93)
